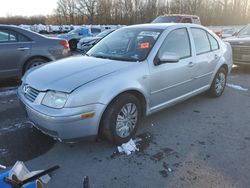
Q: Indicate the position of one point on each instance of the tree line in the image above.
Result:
(126, 12)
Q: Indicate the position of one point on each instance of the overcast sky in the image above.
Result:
(27, 7)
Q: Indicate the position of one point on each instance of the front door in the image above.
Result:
(171, 81)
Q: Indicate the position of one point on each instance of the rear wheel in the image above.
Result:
(121, 119)
(219, 83)
(34, 63)
(73, 45)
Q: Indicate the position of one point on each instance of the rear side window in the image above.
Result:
(22, 38)
(94, 30)
(177, 42)
(167, 19)
(7, 36)
(201, 41)
(213, 42)
(187, 20)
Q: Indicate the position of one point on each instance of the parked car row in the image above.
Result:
(59, 29)
(86, 43)
(75, 35)
(131, 73)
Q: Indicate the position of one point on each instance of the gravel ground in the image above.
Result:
(201, 142)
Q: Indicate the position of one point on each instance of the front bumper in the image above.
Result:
(63, 124)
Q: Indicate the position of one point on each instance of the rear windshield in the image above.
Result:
(167, 19)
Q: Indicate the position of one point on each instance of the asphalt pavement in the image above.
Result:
(202, 142)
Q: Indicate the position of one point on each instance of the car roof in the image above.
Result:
(31, 34)
(8, 26)
(181, 15)
(162, 25)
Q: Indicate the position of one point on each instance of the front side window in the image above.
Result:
(126, 44)
(177, 42)
(94, 30)
(7, 36)
(22, 38)
(213, 42)
(201, 41)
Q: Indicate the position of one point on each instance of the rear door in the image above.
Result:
(13, 48)
(207, 55)
(170, 81)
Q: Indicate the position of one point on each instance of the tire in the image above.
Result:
(34, 62)
(219, 83)
(73, 45)
(110, 122)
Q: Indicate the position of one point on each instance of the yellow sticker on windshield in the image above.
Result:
(145, 45)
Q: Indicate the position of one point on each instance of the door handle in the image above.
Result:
(216, 56)
(191, 64)
(23, 48)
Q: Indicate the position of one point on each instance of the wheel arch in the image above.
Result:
(31, 58)
(225, 66)
(138, 94)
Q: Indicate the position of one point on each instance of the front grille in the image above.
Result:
(30, 93)
(241, 53)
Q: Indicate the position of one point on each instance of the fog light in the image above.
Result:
(88, 115)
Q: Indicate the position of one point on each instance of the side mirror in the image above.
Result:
(167, 57)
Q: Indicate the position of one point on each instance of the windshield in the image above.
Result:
(104, 33)
(244, 32)
(126, 44)
(167, 19)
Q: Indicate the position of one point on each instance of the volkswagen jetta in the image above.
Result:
(133, 72)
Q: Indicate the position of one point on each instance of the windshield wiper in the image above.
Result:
(101, 56)
(116, 58)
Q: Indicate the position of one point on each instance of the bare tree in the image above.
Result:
(211, 12)
(88, 8)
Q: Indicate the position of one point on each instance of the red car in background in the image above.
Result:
(178, 18)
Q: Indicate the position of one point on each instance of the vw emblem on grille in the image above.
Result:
(26, 90)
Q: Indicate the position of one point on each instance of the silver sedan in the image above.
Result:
(133, 72)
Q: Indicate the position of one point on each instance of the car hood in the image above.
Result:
(238, 40)
(68, 74)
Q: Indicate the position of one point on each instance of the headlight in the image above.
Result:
(55, 99)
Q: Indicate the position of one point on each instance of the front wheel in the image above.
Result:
(219, 83)
(121, 119)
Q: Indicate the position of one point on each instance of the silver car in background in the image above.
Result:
(240, 43)
(133, 72)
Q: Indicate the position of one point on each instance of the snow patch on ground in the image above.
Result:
(8, 92)
(238, 87)
(13, 127)
(3, 151)
(129, 147)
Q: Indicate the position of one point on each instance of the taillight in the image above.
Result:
(64, 43)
